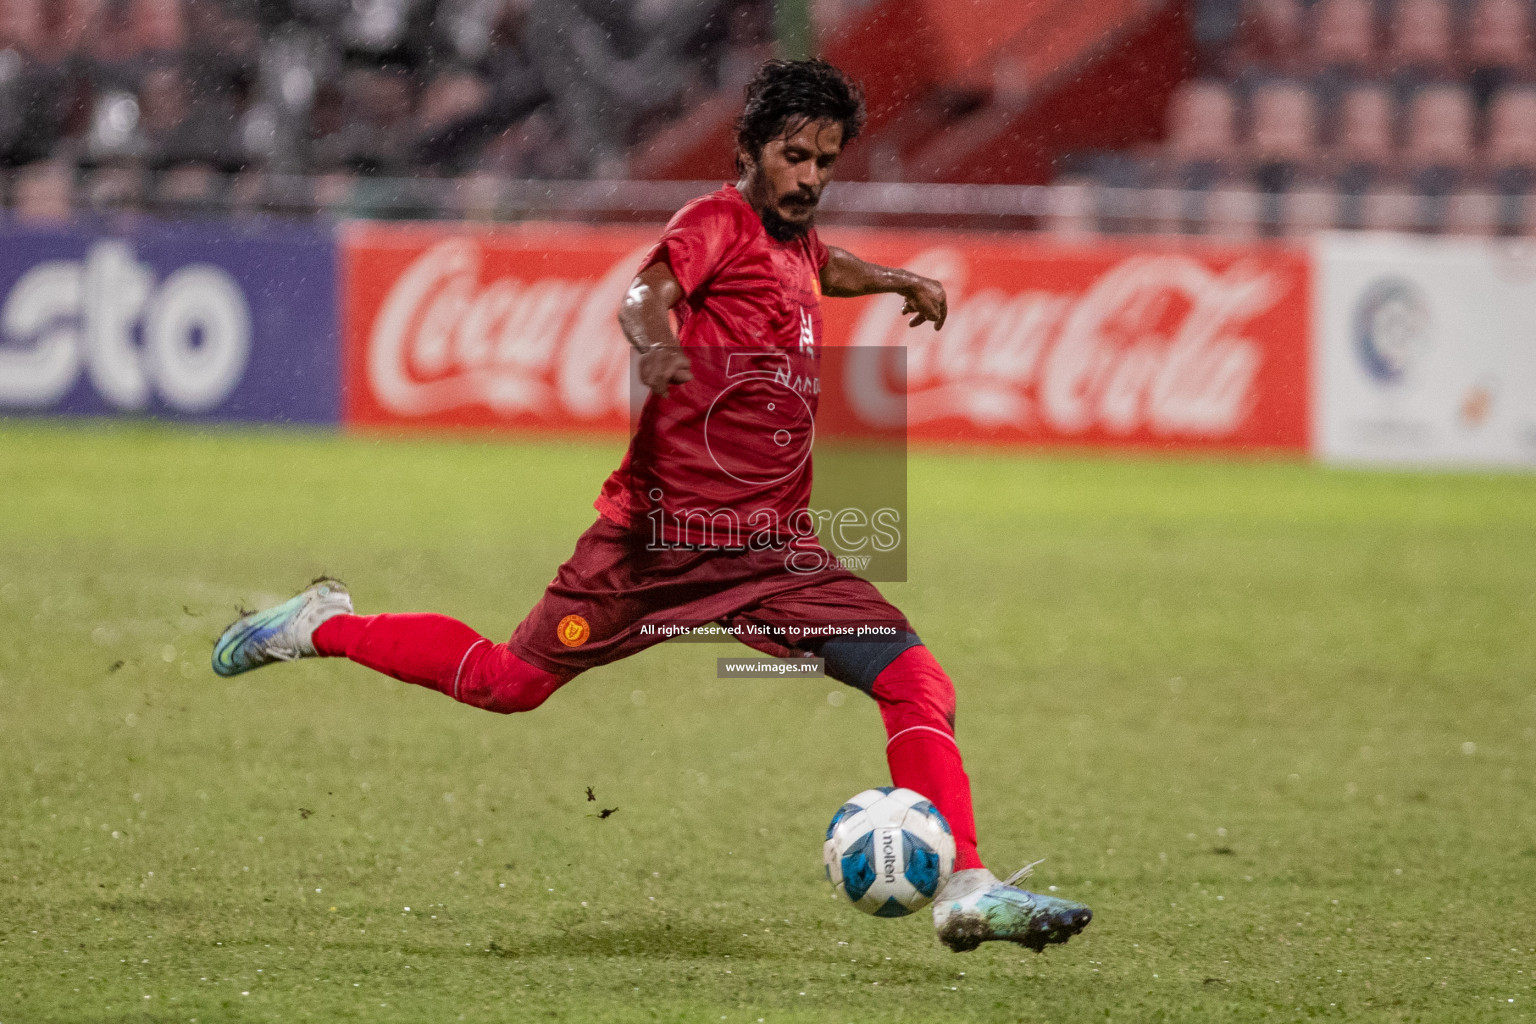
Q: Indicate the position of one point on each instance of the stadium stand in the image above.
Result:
(190, 103)
(1229, 117)
(1416, 115)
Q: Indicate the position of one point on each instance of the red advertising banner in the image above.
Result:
(1141, 345)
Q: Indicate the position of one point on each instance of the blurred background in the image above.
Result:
(1235, 118)
(291, 287)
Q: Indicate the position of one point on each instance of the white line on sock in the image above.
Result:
(462, 660)
(914, 728)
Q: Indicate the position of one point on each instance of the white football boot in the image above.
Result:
(974, 907)
(283, 633)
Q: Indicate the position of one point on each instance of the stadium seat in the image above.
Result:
(1309, 208)
(1271, 34)
(1234, 213)
(1202, 152)
(158, 26)
(334, 193)
(1438, 152)
(476, 197)
(1498, 46)
(1344, 34)
(1165, 211)
(1525, 215)
(1117, 179)
(1421, 49)
(115, 190)
(1440, 127)
(22, 26)
(1362, 133)
(1282, 142)
(1472, 213)
(1512, 129)
(452, 115)
(1362, 151)
(73, 21)
(1421, 34)
(1202, 122)
(44, 192)
(187, 190)
(1284, 123)
(1509, 154)
(248, 192)
(1389, 207)
(1499, 34)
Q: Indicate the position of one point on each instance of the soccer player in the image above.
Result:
(743, 271)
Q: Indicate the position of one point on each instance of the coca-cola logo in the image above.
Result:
(1155, 344)
(445, 339)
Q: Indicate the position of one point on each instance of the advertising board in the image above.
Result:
(515, 327)
(178, 321)
(1426, 351)
(1121, 345)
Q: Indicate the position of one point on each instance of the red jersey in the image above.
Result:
(727, 456)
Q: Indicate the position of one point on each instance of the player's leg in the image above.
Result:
(428, 650)
(589, 615)
(915, 696)
(441, 653)
(917, 706)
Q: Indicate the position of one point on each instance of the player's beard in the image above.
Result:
(782, 230)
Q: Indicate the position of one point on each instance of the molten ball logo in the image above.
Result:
(573, 631)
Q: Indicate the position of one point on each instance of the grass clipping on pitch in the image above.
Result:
(1276, 724)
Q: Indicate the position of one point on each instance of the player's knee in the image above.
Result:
(860, 662)
(502, 682)
(913, 689)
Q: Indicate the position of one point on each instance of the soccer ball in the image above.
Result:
(889, 850)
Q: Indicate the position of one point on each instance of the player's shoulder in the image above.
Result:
(722, 209)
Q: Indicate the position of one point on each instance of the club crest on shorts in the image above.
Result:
(573, 631)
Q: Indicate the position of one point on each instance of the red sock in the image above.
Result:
(440, 653)
(917, 703)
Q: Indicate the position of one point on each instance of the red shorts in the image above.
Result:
(614, 597)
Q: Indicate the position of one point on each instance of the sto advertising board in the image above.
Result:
(180, 321)
(1123, 345)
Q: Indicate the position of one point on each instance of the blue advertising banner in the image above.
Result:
(184, 321)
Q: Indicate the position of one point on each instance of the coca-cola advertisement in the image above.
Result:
(1145, 345)
(1140, 345)
(511, 327)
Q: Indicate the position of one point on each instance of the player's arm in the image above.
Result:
(847, 276)
(643, 316)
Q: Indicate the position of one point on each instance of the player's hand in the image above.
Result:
(925, 301)
(663, 366)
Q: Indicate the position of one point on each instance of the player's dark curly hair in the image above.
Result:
(785, 94)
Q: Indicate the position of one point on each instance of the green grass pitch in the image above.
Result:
(1276, 723)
